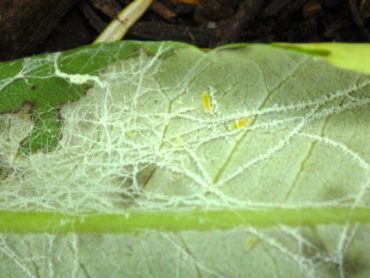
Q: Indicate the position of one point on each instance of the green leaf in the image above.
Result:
(345, 55)
(160, 159)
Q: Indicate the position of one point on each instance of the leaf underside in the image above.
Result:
(244, 161)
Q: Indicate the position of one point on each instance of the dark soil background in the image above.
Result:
(30, 27)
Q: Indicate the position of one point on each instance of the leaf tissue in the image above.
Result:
(162, 160)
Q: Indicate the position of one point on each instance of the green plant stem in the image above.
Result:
(43, 222)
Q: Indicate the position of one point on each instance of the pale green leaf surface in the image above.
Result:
(353, 56)
(161, 160)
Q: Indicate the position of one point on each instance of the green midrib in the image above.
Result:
(43, 222)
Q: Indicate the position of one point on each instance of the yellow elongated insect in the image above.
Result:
(131, 134)
(251, 242)
(180, 143)
(240, 123)
(207, 102)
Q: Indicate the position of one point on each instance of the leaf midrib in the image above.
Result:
(175, 221)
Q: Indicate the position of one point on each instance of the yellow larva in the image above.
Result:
(240, 123)
(131, 134)
(207, 102)
(251, 242)
(180, 143)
